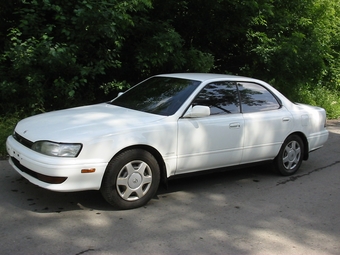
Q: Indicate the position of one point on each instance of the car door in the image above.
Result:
(216, 140)
(266, 122)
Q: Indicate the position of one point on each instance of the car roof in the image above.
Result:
(204, 76)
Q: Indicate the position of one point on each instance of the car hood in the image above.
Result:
(83, 123)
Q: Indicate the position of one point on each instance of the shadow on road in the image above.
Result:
(27, 196)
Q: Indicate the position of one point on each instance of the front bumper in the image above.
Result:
(55, 173)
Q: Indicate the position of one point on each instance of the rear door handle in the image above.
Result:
(285, 119)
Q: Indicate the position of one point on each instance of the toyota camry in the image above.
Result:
(167, 125)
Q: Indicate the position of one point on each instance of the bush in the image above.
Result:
(7, 125)
(321, 96)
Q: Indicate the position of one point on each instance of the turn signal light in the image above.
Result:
(90, 170)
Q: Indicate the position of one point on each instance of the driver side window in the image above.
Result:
(221, 97)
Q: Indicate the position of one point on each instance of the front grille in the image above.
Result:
(41, 177)
(22, 140)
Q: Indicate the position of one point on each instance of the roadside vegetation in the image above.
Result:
(59, 54)
(7, 125)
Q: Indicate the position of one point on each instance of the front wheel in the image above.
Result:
(289, 159)
(131, 179)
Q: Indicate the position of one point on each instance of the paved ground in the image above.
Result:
(250, 211)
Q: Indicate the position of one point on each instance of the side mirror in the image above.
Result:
(197, 111)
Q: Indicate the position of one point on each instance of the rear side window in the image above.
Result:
(255, 98)
(221, 97)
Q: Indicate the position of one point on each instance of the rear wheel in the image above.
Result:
(131, 179)
(289, 159)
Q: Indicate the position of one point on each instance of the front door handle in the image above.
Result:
(235, 125)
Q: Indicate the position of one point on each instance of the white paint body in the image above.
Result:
(185, 144)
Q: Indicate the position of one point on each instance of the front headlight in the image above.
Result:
(57, 149)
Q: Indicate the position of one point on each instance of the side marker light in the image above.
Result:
(86, 171)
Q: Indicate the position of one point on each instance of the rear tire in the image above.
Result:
(290, 157)
(131, 179)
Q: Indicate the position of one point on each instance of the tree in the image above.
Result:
(297, 44)
(54, 53)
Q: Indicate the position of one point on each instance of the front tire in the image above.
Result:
(290, 157)
(131, 179)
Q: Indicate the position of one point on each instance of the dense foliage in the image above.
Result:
(56, 54)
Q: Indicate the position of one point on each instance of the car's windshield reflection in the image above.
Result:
(157, 95)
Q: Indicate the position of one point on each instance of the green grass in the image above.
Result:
(7, 125)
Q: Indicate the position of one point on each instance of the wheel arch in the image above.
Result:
(305, 143)
(155, 153)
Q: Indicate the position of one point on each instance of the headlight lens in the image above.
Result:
(57, 149)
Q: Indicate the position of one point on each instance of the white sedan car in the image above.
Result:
(164, 126)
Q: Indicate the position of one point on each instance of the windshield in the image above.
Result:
(157, 95)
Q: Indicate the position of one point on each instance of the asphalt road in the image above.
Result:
(248, 211)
